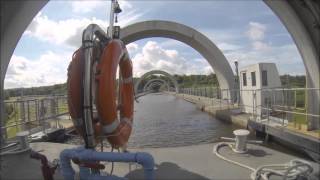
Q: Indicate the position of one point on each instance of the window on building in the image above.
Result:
(244, 79)
(264, 78)
(253, 78)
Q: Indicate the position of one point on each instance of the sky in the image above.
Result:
(246, 31)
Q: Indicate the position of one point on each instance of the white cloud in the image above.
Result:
(228, 47)
(154, 57)
(226, 40)
(59, 32)
(86, 6)
(256, 31)
(222, 35)
(259, 45)
(69, 31)
(124, 5)
(132, 48)
(286, 58)
(50, 68)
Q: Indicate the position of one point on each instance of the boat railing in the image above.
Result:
(33, 113)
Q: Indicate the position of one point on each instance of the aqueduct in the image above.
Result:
(155, 84)
(301, 18)
(150, 82)
(144, 76)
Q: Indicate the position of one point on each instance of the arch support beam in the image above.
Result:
(301, 18)
(150, 82)
(15, 18)
(189, 36)
(155, 84)
(174, 81)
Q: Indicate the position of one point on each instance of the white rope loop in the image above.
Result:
(288, 171)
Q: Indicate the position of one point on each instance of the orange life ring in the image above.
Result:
(74, 84)
(116, 129)
(75, 94)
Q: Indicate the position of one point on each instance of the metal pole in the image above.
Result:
(228, 98)
(28, 110)
(268, 113)
(220, 101)
(42, 114)
(282, 103)
(86, 97)
(57, 105)
(253, 98)
(295, 99)
(111, 20)
(205, 91)
(15, 107)
(89, 33)
(3, 132)
(237, 81)
(22, 115)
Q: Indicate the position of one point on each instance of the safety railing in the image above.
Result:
(295, 106)
(212, 92)
(32, 113)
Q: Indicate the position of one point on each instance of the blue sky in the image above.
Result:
(244, 30)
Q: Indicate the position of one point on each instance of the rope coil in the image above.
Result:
(287, 171)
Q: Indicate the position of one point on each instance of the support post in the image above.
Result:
(22, 116)
(91, 32)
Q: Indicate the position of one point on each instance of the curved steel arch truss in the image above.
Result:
(172, 79)
(151, 81)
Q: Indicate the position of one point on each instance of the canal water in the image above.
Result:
(162, 120)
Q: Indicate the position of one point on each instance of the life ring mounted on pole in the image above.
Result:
(116, 129)
(75, 93)
(106, 123)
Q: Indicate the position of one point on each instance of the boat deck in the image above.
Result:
(188, 162)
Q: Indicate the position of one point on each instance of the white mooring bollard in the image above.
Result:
(23, 139)
(241, 140)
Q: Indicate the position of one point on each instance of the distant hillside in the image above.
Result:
(293, 81)
(183, 80)
(43, 90)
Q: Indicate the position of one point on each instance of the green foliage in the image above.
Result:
(187, 81)
(293, 81)
(43, 90)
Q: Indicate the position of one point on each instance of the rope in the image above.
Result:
(216, 151)
(290, 170)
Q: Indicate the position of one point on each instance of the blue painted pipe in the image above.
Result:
(142, 158)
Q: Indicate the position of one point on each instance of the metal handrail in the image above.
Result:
(273, 107)
(43, 119)
(31, 110)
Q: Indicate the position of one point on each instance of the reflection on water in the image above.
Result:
(162, 120)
